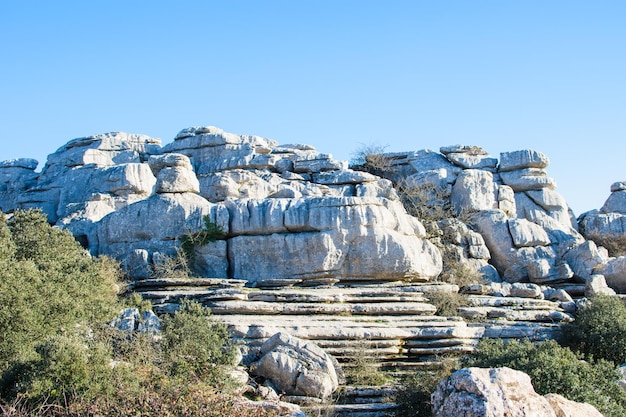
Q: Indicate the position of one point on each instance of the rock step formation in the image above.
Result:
(392, 323)
(358, 402)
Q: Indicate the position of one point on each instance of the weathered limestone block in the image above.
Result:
(211, 260)
(470, 157)
(545, 271)
(463, 149)
(44, 197)
(259, 217)
(568, 408)
(177, 180)
(525, 233)
(506, 200)
(297, 367)
(352, 215)
(584, 258)
(614, 272)
(531, 207)
(156, 223)
(596, 285)
(16, 176)
(268, 257)
(510, 161)
(427, 160)
(342, 177)
(527, 179)
(616, 203)
(210, 149)
(105, 149)
(319, 163)
(389, 256)
(595, 225)
(130, 182)
(236, 183)
(494, 228)
(491, 392)
(474, 190)
(158, 162)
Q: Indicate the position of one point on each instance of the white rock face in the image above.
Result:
(474, 190)
(345, 238)
(567, 408)
(510, 161)
(283, 203)
(296, 367)
(499, 392)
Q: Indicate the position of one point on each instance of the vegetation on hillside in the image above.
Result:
(556, 369)
(58, 356)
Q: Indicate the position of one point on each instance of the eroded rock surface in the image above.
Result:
(497, 392)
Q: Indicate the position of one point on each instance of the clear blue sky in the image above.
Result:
(505, 75)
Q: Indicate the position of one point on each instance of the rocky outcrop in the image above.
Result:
(296, 367)
(276, 203)
(500, 392)
(526, 225)
(273, 203)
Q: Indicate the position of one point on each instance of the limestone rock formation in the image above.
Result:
(499, 392)
(276, 203)
(296, 367)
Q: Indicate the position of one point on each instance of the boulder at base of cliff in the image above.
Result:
(296, 367)
(497, 392)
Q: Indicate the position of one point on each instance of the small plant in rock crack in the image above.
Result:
(210, 233)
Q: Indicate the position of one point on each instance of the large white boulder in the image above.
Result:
(297, 367)
(498, 392)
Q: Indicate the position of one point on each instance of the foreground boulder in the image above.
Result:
(498, 392)
(296, 367)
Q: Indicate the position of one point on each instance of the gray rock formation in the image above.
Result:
(296, 367)
(276, 203)
(500, 392)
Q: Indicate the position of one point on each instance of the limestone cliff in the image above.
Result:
(293, 215)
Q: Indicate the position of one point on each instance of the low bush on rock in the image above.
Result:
(556, 369)
(599, 331)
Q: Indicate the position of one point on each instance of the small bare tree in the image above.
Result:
(371, 158)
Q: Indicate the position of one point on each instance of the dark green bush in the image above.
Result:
(556, 369)
(48, 285)
(58, 357)
(195, 345)
(413, 397)
(599, 331)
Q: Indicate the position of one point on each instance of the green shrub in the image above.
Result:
(195, 345)
(556, 369)
(413, 397)
(363, 368)
(48, 285)
(599, 331)
(447, 303)
(210, 233)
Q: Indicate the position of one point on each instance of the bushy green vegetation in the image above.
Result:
(413, 397)
(599, 331)
(49, 285)
(556, 369)
(59, 357)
